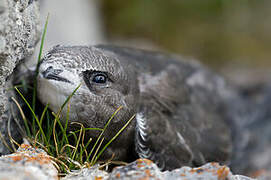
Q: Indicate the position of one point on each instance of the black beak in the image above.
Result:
(51, 73)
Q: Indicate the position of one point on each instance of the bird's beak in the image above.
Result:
(53, 74)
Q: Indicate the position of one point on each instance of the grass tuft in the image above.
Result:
(43, 129)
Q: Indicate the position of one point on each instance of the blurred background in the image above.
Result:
(230, 36)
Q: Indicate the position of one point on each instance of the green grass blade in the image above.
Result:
(94, 156)
(67, 119)
(74, 135)
(65, 139)
(63, 130)
(42, 40)
(77, 143)
(86, 146)
(23, 116)
(111, 140)
(81, 154)
(30, 108)
(54, 136)
(70, 96)
(43, 113)
(48, 125)
(90, 129)
(33, 113)
(40, 122)
(103, 132)
(111, 118)
(37, 72)
(92, 149)
(5, 142)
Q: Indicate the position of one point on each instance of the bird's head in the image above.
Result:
(106, 84)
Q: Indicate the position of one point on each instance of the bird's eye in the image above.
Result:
(99, 78)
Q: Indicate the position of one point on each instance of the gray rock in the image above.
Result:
(31, 163)
(19, 32)
(146, 169)
(27, 163)
(92, 173)
(139, 169)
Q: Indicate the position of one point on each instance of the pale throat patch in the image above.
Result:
(51, 93)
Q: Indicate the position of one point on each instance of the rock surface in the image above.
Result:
(30, 163)
(19, 32)
(146, 169)
(88, 174)
(27, 163)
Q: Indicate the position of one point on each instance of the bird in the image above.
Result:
(185, 114)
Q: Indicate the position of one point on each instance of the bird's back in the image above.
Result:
(184, 107)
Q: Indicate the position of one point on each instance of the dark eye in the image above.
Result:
(99, 78)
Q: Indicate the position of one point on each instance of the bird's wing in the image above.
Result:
(181, 122)
(182, 118)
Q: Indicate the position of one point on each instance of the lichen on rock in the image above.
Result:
(28, 163)
(146, 169)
